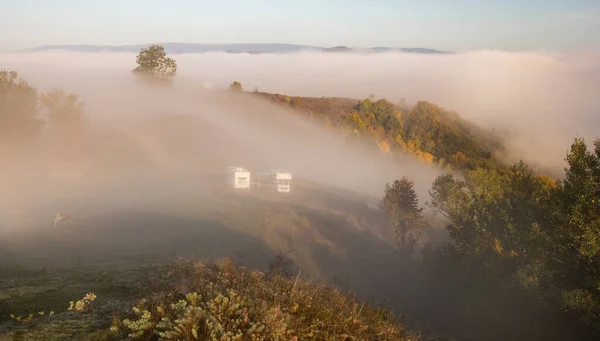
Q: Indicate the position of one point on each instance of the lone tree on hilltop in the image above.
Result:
(236, 87)
(154, 64)
(402, 204)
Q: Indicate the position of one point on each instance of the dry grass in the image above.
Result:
(219, 301)
(203, 224)
(188, 300)
(332, 108)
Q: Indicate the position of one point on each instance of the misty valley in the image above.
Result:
(137, 202)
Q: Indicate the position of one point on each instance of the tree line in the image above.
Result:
(434, 136)
(515, 234)
(24, 113)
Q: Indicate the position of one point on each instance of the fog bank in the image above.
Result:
(540, 100)
(142, 134)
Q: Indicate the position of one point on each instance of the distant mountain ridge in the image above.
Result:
(179, 48)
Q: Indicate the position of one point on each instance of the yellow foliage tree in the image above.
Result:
(546, 180)
(384, 146)
(354, 121)
(428, 158)
(411, 147)
(400, 142)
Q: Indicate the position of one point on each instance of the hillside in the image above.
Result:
(346, 49)
(179, 48)
(333, 109)
(507, 257)
(122, 226)
(184, 301)
(427, 131)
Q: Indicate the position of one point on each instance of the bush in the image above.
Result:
(219, 301)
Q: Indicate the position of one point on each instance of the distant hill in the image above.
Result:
(178, 48)
(383, 49)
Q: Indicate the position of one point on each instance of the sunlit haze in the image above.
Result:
(541, 100)
(379, 144)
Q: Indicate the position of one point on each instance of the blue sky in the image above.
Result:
(456, 25)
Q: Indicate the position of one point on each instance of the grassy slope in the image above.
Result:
(270, 306)
(332, 236)
(334, 108)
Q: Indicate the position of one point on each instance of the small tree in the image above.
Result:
(19, 119)
(577, 238)
(402, 204)
(67, 121)
(236, 86)
(64, 110)
(154, 63)
(353, 121)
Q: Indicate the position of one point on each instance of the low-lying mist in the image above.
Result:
(148, 147)
(211, 131)
(538, 100)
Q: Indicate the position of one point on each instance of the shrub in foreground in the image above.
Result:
(218, 301)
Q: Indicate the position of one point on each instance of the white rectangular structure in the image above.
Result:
(276, 180)
(238, 177)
